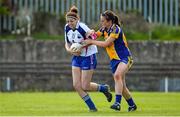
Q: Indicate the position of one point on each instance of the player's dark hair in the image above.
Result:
(73, 12)
(110, 16)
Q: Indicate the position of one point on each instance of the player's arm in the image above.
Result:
(109, 39)
(92, 34)
(68, 47)
(105, 43)
(67, 42)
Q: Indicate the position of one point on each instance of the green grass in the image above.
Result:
(36, 36)
(158, 33)
(70, 104)
(45, 36)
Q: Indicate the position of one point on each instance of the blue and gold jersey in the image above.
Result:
(119, 48)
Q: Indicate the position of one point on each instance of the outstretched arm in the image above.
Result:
(105, 43)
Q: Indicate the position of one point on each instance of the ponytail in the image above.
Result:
(116, 20)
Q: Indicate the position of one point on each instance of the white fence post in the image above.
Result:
(88, 15)
(166, 11)
(83, 10)
(171, 12)
(124, 5)
(109, 4)
(134, 4)
(103, 5)
(140, 5)
(155, 11)
(57, 7)
(41, 5)
(166, 85)
(52, 6)
(47, 6)
(176, 13)
(31, 5)
(145, 9)
(161, 12)
(98, 10)
(114, 5)
(67, 5)
(129, 5)
(93, 10)
(119, 5)
(150, 9)
(8, 84)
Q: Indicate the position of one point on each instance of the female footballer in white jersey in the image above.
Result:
(84, 61)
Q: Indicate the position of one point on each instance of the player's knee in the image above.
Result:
(117, 76)
(77, 86)
(85, 87)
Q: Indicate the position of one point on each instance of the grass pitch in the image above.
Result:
(70, 104)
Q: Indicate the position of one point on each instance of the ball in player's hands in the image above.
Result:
(76, 47)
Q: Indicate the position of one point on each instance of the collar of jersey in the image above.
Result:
(77, 25)
(110, 29)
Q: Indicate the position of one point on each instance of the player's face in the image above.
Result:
(105, 23)
(71, 22)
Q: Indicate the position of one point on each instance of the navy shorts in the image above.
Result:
(114, 63)
(85, 63)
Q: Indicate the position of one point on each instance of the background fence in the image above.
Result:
(160, 11)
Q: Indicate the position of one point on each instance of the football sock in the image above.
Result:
(102, 88)
(118, 99)
(130, 102)
(89, 102)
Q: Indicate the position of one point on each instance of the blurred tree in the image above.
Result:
(4, 7)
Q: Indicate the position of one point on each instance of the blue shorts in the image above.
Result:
(114, 63)
(85, 63)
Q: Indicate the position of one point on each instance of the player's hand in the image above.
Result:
(77, 53)
(90, 33)
(74, 52)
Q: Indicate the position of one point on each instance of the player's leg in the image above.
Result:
(126, 94)
(118, 78)
(76, 74)
(89, 64)
(76, 71)
(87, 85)
(86, 76)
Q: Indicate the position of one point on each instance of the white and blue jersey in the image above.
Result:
(87, 59)
(78, 35)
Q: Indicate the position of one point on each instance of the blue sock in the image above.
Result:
(130, 102)
(102, 88)
(89, 102)
(118, 99)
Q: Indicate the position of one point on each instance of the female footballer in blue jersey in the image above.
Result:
(120, 56)
(84, 61)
